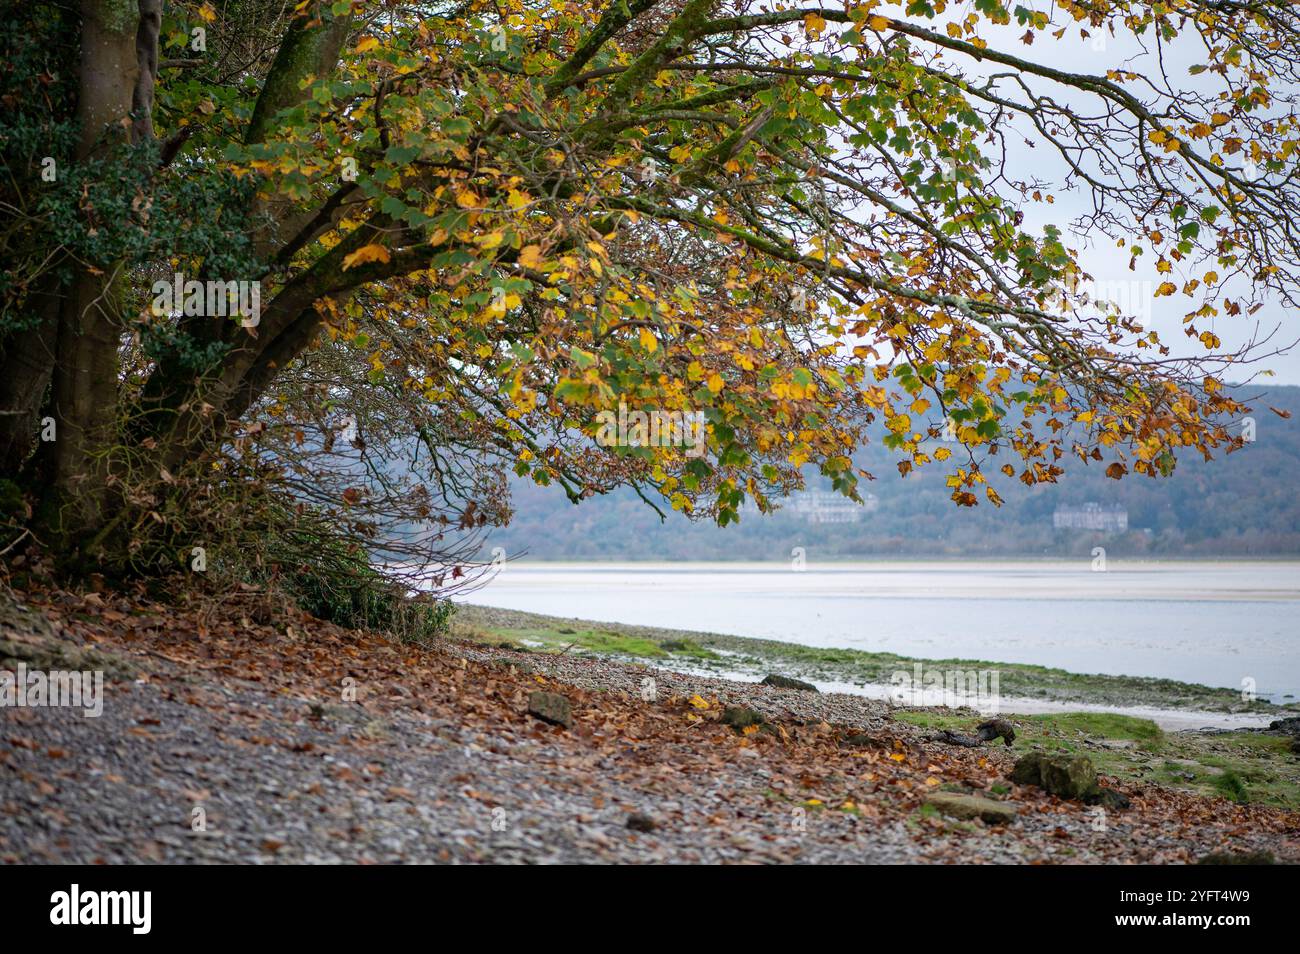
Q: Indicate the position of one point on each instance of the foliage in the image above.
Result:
(805, 224)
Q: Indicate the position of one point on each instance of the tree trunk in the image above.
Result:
(84, 393)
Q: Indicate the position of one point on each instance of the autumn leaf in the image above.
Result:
(530, 256)
(367, 253)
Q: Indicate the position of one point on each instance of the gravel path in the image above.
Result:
(248, 730)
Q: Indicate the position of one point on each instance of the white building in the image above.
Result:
(819, 506)
(1091, 516)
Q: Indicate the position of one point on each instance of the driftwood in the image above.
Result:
(957, 738)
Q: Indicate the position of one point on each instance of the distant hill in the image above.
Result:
(1244, 504)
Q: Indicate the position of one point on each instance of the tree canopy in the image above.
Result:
(486, 223)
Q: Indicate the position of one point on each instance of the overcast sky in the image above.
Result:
(1100, 257)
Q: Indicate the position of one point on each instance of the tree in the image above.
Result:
(516, 216)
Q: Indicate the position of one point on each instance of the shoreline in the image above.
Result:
(1024, 689)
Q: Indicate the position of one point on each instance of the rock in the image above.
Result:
(551, 707)
(1291, 725)
(1028, 769)
(786, 682)
(638, 821)
(351, 714)
(1109, 798)
(972, 806)
(672, 646)
(1238, 858)
(1063, 775)
(740, 717)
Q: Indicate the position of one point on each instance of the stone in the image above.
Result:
(787, 682)
(962, 806)
(639, 821)
(741, 718)
(351, 714)
(1064, 775)
(1028, 769)
(1109, 798)
(551, 707)
(1290, 726)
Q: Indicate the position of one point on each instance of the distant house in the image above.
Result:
(1091, 516)
(818, 506)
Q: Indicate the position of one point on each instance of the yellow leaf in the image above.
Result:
(369, 253)
(814, 23)
(878, 23)
(715, 382)
(530, 256)
(367, 44)
(698, 702)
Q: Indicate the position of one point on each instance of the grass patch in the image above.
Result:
(687, 647)
(604, 642)
(1230, 785)
(1242, 766)
(588, 640)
